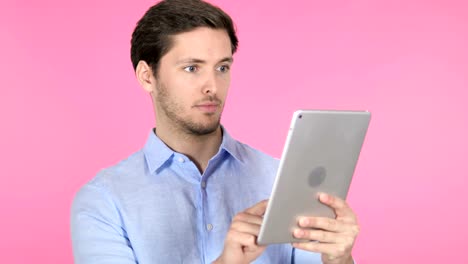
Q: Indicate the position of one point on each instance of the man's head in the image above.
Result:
(182, 53)
(153, 35)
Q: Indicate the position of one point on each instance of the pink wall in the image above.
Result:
(70, 105)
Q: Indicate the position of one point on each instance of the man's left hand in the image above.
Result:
(333, 238)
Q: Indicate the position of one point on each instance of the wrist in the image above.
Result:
(350, 260)
(343, 260)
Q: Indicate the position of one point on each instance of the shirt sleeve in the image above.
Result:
(97, 232)
(305, 257)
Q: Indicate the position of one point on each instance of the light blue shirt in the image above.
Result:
(156, 207)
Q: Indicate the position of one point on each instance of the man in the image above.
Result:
(193, 194)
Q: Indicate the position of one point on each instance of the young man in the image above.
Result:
(193, 194)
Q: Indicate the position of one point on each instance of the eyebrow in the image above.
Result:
(200, 61)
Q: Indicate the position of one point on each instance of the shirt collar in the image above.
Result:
(230, 145)
(157, 153)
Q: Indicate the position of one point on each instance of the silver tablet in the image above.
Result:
(320, 155)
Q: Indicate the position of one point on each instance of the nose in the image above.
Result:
(210, 84)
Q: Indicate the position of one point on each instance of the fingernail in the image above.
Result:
(323, 197)
(298, 233)
(304, 222)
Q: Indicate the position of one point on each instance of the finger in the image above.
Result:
(324, 223)
(245, 227)
(243, 239)
(258, 209)
(319, 235)
(249, 218)
(323, 248)
(340, 206)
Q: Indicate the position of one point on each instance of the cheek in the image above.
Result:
(223, 86)
(178, 86)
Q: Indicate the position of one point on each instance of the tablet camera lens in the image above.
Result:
(300, 116)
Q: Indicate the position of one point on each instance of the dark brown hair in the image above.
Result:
(151, 38)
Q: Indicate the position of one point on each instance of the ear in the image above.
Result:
(145, 76)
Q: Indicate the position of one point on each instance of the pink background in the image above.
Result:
(70, 105)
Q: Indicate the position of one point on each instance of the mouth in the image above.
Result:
(208, 107)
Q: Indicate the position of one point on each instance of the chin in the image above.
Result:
(203, 129)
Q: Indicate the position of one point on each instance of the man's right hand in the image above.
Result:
(240, 245)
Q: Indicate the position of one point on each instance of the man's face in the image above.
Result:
(193, 80)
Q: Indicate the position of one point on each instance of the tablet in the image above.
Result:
(320, 155)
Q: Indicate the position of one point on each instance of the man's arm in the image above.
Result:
(97, 232)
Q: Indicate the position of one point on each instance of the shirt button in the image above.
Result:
(203, 184)
(181, 160)
(209, 227)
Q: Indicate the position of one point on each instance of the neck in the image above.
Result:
(200, 149)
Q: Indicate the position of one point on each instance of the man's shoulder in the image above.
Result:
(124, 174)
(252, 155)
(258, 168)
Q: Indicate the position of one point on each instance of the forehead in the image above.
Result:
(201, 43)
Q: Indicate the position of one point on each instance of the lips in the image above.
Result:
(208, 107)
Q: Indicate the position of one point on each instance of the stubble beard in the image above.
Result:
(173, 112)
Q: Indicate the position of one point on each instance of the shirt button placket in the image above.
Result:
(208, 227)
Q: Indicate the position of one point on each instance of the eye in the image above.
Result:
(223, 68)
(191, 68)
